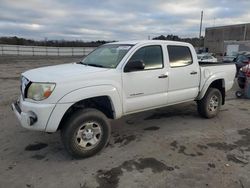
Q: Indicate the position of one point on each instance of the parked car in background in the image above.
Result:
(241, 60)
(206, 58)
(244, 72)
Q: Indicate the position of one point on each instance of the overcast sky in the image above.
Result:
(116, 19)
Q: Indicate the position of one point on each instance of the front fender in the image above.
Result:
(95, 91)
(80, 94)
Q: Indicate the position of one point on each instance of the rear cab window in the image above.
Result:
(179, 56)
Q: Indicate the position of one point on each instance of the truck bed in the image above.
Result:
(218, 69)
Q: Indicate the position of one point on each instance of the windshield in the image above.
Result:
(107, 56)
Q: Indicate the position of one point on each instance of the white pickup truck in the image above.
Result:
(114, 80)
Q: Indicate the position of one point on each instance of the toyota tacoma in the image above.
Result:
(115, 80)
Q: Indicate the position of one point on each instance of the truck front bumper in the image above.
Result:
(32, 116)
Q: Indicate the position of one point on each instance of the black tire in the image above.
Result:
(203, 105)
(72, 126)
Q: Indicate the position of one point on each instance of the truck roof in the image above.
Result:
(134, 42)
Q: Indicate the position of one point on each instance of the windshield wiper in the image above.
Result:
(90, 64)
(94, 65)
(81, 63)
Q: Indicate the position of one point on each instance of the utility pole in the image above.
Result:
(200, 45)
(201, 23)
(245, 32)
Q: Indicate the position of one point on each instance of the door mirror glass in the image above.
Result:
(134, 66)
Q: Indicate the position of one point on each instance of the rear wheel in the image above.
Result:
(209, 106)
(85, 133)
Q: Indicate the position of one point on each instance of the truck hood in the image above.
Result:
(59, 73)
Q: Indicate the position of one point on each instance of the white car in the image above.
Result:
(206, 58)
(115, 80)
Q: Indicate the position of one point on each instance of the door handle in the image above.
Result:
(193, 72)
(163, 76)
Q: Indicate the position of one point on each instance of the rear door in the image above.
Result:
(146, 88)
(184, 74)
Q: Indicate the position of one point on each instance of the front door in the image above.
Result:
(145, 89)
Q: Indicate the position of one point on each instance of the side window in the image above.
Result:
(179, 56)
(150, 55)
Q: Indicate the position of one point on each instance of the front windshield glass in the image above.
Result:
(107, 56)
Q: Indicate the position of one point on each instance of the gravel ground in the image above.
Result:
(167, 147)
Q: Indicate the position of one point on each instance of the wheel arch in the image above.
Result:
(104, 98)
(101, 103)
(218, 83)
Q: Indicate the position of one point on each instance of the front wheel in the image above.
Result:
(209, 105)
(85, 133)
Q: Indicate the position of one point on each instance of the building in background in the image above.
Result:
(227, 39)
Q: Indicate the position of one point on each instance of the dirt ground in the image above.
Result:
(167, 147)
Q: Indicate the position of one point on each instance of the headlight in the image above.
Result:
(40, 91)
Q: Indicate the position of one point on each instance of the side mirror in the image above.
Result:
(134, 66)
